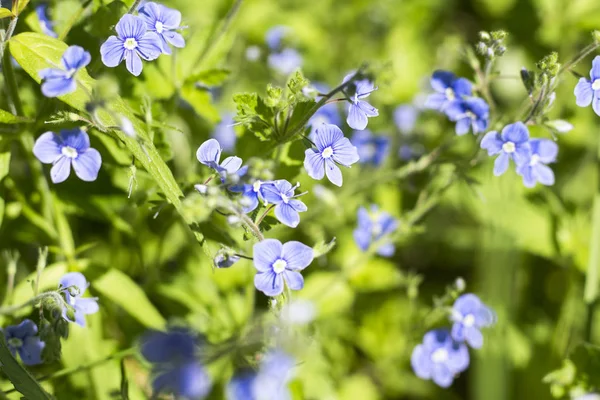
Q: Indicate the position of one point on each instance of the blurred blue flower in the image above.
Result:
(512, 144)
(371, 149)
(76, 285)
(277, 263)
(469, 315)
(285, 62)
(46, 23)
(133, 43)
(209, 154)
(372, 228)
(471, 113)
(60, 81)
(328, 114)
(252, 194)
(71, 147)
(359, 110)
(588, 91)
(287, 207)
(405, 117)
(225, 259)
(165, 22)
(24, 339)
(439, 358)
(448, 88)
(543, 151)
(224, 132)
(332, 148)
(274, 36)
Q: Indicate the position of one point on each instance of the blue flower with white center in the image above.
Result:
(469, 315)
(371, 149)
(274, 36)
(472, 113)
(511, 144)
(405, 118)
(332, 149)
(448, 88)
(76, 285)
(71, 147)
(252, 194)
(588, 90)
(287, 207)
(439, 358)
(209, 154)
(46, 23)
(328, 114)
(277, 263)
(285, 62)
(132, 44)
(165, 22)
(24, 339)
(359, 110)
(225, 134)
(373, 229)
(543, 151)
(175, 367)
(61, 81)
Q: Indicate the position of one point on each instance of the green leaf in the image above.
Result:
(256, 116)
(199, 99)
(8, 118)
(5, 13)
(120, 289)
(4, 164)
(210, 77)
(322, 248)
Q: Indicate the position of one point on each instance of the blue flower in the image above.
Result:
(61, 81)
(76, 285)
(543, 151)
(448, 88)
(209, 154)
(275, 35)
(512, 144)
(405, 117)
(24, 339)
(165, 22)
(225, 134)
(252, 193)
(469, 315)
(287, 207)
(46, 24)
(328, 114)
(588, 91)
(277, 263)
(133, 43)
(439, 358)
(359, 111)
(176, 369)
(225, 259)
(471, 113)
(332, 148)
(372, 228)
(69, 148)
(285, 62)
(371, 149)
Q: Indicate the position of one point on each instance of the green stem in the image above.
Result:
(213, 39)
(9, 77)
(134, 6)
(12, 309)
(260, 219)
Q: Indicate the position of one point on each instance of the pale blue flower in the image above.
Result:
(511, 144)
(469, 315)
(371, 149)
(24, 340)
(46, 23)
(286, 61)
(359, 110)
(287, 206)
(60, 81)
(587, 91)
(374, 228)
(165, 22)
(543, 151)
(470, 114)
(448, 88)
(209, 154)
(76, 286)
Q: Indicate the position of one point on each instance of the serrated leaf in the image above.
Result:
(6, 13)
(8, 118)
(256, 116)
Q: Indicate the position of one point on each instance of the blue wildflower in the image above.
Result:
(61, 81)
(469, 315)
(511, 144)
(76, 285)
(209, 154)
(71, 147)
(588, 90)
(359, 110)
(225, 134)
(133, 43)
(24, 339)
(277, 263)
(371, 149)
(328, 114)
(448, 88)
(332, 148)
(439, 358)
(373, 228)
(46, 23)
(224, 259)
(252, 194)
(471, 113)
(543, 151)
(175, 367)
(286, 61)
(405, 117)
(287, 207)
(165, 22)
(274, 36)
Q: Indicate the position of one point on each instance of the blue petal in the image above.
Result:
(327, 135)
(189, 380)
(171, 18)
(271, 193)
(583, 93)
(133, 62)
(463, 126)
(25, 329)
(47, 148)
(61, 170)
(474, 337)
(595, 71)
(436, 101)
(516, 133)
(441, 80)
(275, 35)
(31, 351)
(286, 214)
(76, 139)
(462, 87)
(529, 178)
(522, 154)
(314, 164)
(367, 109)
(149, 46)
(285, 62)
(231, 164)
(112, 52)
(421, 362)
(544, 174)
(265, 253)
(356, 119)
(362, 237)
(386, 250)
(87, 165)
(45, 22)
(501, 164)
(131, 26)
(297, 255)
(546, 149)
(270, 283)
(333, 173)
(344, 152)
(240, 387)
(75, 57)
(174, 38)
(294, 279)
(58, 86)
(75, 279)
(466, 304)
(441, 375)
(209, 153)
(298, 205)
(405, 117)
(87, 306)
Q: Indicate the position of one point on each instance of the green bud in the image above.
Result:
(528, 78)
(481, 48)
(61, 327)
(483, 35)
(499, 35)
(70, 313)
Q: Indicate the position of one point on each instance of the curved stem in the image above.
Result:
(32, 301)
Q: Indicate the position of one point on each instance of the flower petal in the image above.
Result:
(583, 93)
(441, 375)
(74, 279)
(544, 174)
(58, 86)
(297, 255)
(133, 62)
(501, 164)
(209, 153)
(344, 152)
(462, 87)
(231, 164)
(112, 52)
(386, 250)
(75, 138)
(269, 283)
(75, 57)
(131, 26)
(421, 362)
(25, 329)
(333, 172)
(516, 133)
(286, 214)
(294, 279)
(298, 205)
(60, 170)
(87, 165)
(327, 135)
(314, 164)
(595, 71)
(47, 148)
(474, 337)
(266, 253)
(546, 149)
(357, 119)
(174, 38)
(31, 351)
(463, 126)
(362, 237)
(150, 46)
(436, 101)
(441, 80)
(87, 305)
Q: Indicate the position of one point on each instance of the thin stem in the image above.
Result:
(11, 271)
(10, 79)
(9, 32)
(253, 227)
(583, 54)
(41, 264)
(134, 6)
(264, 214)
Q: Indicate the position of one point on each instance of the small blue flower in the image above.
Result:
(274, 36)
(328, 114)
(225, 134)
(371, 149)
(69, 148)
(332, 148)
(471, 113)
(57, 81)
(209, 154)
(372, 228)
(469, 315)
(588, 91)
(24, 339)
(405, 117)
(133, 43)
(46, 24)
(543, 151)
(176, 369)
(165, 22)
(448, 88)
(359, 110)
(225, 260)
(287, 207)
(76, 285)
(512, 144)
(252, 194)
(439, 358)
(277, 263)
(285, 62)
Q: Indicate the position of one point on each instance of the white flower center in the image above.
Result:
(68, 151)
(370, 150)
(159, 27)
(130, 43)
(256, 186)
(279, 266)
(534, 159)
(509, 147)
(450, 94)
(596, 84)
(328, 152)
(439, 356)
(471, 115)
(468, 320)
(285, 198)
(15, 342)
(71, 72)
